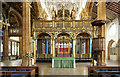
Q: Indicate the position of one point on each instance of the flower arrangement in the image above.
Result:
(28, 54)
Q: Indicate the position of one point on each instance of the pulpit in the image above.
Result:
(98, 43)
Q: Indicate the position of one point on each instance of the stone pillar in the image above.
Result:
(26, 28)
(101, 15)
(5, 43)
(20, 47)
(5, 37)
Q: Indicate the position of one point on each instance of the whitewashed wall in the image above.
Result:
(111, 33)
(119, 36)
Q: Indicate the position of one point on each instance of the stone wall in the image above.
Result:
(112, 33)
(119, 38)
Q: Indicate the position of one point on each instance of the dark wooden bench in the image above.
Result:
(103, 70)
(22, 68)
(18, 73)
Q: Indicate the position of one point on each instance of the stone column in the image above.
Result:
(20, 47)
(101, 15)
(5, 43)
(26, 34)
(5, 37)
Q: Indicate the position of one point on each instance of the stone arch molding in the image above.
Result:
(109, 45)
(16, 13)
(118, 50)
(83, 32)
(36, 35)
(61, 32)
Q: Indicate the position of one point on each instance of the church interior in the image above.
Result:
(60, 37)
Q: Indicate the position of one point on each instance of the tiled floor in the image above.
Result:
(81, 69)
(113, 63)
(45, 68)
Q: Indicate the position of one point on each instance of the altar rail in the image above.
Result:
(107, 71)
(51, 25)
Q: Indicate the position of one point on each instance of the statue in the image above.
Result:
(73, 13)
(44, 15)
(53, 13)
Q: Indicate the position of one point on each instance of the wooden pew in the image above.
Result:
(28, 68)
(99, 73)
(16, 73)
(105, 70)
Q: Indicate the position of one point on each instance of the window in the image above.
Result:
(13, 49)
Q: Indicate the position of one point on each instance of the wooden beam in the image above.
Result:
(109, 5)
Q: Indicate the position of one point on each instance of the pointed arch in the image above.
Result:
(109, 45)
(43, 34)
(118, 50)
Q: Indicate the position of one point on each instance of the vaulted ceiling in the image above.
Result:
(48, 5)
(37, 8)
(18, 6)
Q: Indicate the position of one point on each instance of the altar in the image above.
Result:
(63, 62)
